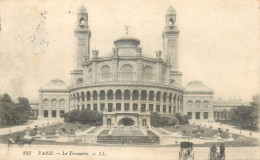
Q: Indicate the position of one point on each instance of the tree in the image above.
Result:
(172, 121)
(88, 117)
(182, 119)
(7, 109)
(72, 116)
(245, 117)
(158, 120)
(24, 109)
(6, 98)
(14, 113)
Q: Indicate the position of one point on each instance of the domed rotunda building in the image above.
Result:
(125, 86)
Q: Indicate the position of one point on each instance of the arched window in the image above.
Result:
(189, 103)
(148, 73)
(143, 95)
(78, 96)
(127, 71)
(164, 96)
(83, 96)
(170, 97)
(102, 95)
(88, 96)
(127, 95)
(197, 104)
(94, 95)
(118, 94)
(151, 96)
(105, 72)
(206, 104)
(178, 99)
(62, 103)
(135, 95)
(158, 96)
(74, 95)
(181, 99)
(45, 103)
(53, 103)
(110, 95)
(171, 22)
(81, 22)
(174, 98)
(80, 81)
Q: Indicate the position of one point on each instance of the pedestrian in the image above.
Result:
(222, 150)
(214, 150)
(250, 133)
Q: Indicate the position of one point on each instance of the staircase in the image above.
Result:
(136, 140)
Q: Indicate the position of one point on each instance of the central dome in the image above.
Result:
(127, 46)
(127, 41)
(198, 86)
(56, 84)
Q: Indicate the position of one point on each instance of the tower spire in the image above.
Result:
(170, 38)
(83, 34)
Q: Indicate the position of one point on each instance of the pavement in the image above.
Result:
(31, 124)
(68, 152)
(232, 129)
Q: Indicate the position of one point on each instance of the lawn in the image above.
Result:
(48, 130)
(194, 131)
(239, 140)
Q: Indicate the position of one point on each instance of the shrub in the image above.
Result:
(158, 120)
(87, 117)
(172, 121)
(182, 119)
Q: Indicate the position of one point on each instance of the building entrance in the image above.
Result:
(126, 122)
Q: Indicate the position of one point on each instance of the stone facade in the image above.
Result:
(54, 100)
(223, 106)
(198, 102)
(125, 84)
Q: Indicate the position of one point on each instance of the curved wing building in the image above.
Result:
(126, 86)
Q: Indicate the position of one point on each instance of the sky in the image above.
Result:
(218, 41)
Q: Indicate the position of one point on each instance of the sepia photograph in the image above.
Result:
(129, 79)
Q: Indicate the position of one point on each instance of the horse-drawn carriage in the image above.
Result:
(214, 155)
(19, 141)
(186, 151)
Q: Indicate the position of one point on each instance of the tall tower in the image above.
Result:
(83, 34)
(170, 38)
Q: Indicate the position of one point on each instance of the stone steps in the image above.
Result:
(128, 139)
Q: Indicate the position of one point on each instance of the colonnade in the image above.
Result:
(118, 100)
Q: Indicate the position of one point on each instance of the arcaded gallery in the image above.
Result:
(126, 85)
